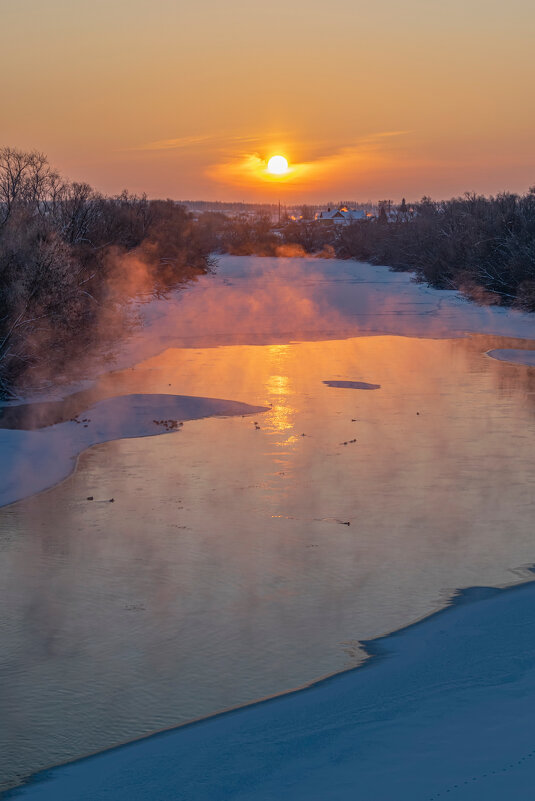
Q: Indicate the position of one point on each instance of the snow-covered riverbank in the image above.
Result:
(245, 557)
(257, 301)
(443, 709)
(33, 460)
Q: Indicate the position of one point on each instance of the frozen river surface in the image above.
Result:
(243, 556)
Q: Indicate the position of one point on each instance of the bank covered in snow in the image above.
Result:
(444, 708)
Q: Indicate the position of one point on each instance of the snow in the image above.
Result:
(514, 355)
(254, 300)
(35, 460)
(443, 707)
(351, 385)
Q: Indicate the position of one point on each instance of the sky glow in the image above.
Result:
(377, 100)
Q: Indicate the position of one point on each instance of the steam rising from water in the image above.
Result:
(222, 570)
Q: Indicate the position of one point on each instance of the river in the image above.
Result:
(244, 556)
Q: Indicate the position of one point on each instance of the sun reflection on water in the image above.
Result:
(281, 416)
(236, 534)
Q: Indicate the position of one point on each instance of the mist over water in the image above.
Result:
(249, 555)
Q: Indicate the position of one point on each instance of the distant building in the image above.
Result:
(342, 216)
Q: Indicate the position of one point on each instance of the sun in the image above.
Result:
(277, 165)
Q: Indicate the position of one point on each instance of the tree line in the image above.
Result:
(71, 259)
(483, 246)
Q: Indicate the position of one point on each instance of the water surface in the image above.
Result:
(246, 556)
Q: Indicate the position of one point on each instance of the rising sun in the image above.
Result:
(277, 165)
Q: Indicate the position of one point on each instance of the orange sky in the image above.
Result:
(388, 98)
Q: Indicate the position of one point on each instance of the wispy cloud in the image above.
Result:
(184, 142)
(323, 163)
(229, 141)
(175, 144)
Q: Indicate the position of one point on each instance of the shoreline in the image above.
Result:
(51, 453)
(152, 341)
(522, 356)
(50, 783)
(420, 302)
(44, 425)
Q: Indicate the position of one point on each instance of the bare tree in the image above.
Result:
(25, 178)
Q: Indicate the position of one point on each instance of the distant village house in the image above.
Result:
(342, 216)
